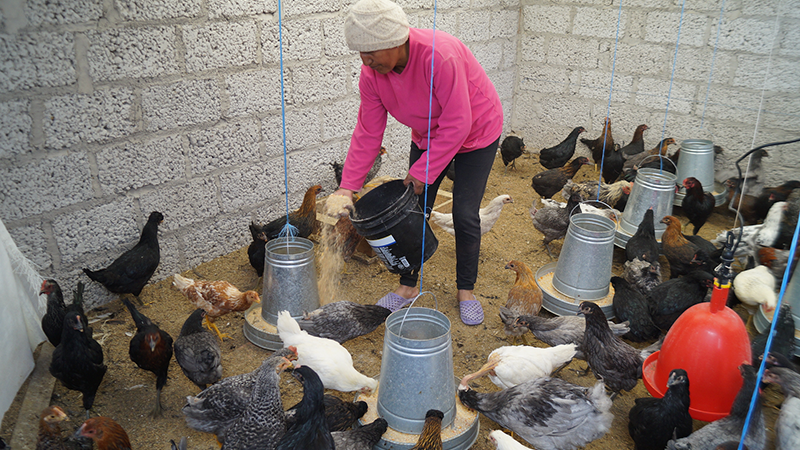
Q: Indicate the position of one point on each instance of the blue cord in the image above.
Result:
(669, 92)
(608, 109)
(427, 153)
(288, 230)
(713, 58)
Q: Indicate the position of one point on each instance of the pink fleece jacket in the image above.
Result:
(466, 113)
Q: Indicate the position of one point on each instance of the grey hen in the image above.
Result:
(642, 275)
(730, 428)
(262, 423)
(553, 221)
(361, 438)
(197, 351)
(549, 413)
(343, 320)
(788, 425)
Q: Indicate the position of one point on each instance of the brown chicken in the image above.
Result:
(697, 204)
(636, 145)
(431, 436)
(770, 195)
(679, 251)
(304, 218)
(549, 182)
(605, 141)
(524, 298)
(609, 193)
(635, 161)
(50, 432)
(748, 202)
(106, 434)
(216, 298)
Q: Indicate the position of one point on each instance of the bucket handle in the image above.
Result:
(435, 302)
(659, 156)
(616, 217)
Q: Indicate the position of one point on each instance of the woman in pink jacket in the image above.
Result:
(465, 126)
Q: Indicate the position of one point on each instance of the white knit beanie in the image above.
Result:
(375, 25)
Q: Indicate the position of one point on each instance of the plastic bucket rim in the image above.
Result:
(404, 198)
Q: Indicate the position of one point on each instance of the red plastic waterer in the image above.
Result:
(709, 341)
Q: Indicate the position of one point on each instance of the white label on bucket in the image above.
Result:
(382, 242)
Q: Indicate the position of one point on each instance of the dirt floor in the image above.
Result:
(127, 392)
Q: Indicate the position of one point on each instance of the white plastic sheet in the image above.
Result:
(20, 319)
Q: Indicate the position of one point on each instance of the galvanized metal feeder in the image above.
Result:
(762, 319)
(652, 189)
(697, 160)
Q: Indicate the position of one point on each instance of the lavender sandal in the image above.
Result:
(393, 302)
(471, 312)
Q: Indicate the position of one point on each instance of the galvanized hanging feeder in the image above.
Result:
(652, 189)
(697, 160)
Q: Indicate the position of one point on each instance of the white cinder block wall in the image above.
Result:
(110, 109)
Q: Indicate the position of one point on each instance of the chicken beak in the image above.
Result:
(152, 345)
(79, 432)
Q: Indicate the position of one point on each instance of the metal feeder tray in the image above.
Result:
(553, 301)
(259, 331)
(763, 321)
(720, 194)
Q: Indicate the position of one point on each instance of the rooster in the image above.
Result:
(511, 149)
(310, 429)
(697, 204)
(304, 218)
(604, 143)
(557, 156)
(524, 298)
(488, 215)
(679, 251)
(53, 320)
(549, 182)
(216, 298)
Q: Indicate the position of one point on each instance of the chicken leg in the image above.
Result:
(213, 327)
(158, 408)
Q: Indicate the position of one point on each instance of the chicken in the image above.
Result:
(697, 204)
(613, 361)
(770, 229)
(609, 193)
(776, 260)
(78, 360)
(431, 436)
(263, 421)
(555, 157)
(50, 438)
(182, 445)
(344, 238)
(216, 298)
(652, 422)
(604, 143)
(730, 428)
(549, 182)
(362, 438)
(748, 202)
(339, 414)
(488, 215)
(771, 195)
(560, 330)
(635, 162)
(53, 320)
(631, 306)
(756, 287)
(548, 413)
(642, 275)
(612, 165)
(257, 249)
(524, 298)
(503, 441)
(304, 219)
(787, 427)
(788, 221)
(150, 349)
(610, 214)
(106, 434)
(511, 148)
(678, 250)
(636, 145)
(512, 365)
(553, 222)
(782, 341)
(197, 352)
(343, 320)
(331, 362)
(219, 405)
(129, 273)
(376, 166)
(643, 243)
(310, 430)
(671, 298)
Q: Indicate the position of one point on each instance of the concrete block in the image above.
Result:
(247, 186)
(702, 5)
(510, 53)
(780, 112)
(552, 110)
(533, 48)
(185, 204)
(654, 94)
(573, 51)
(450, 4)
(600, 23)
(641, 3)
(546, 19)
(307, 7)
(61, 12)
(493, 3)
(333, 36)
(234, 8)
(182, 103)
(226, 145)
(220, 44)
(15, 128)
(339, 119)
(503, 83)
(475, 26)
(110, 229)
(117, 165)
(505, 24)
(34, 60)
(32, 242)
(105, 114)
(597, 84)
(725, 103)
(303, 130)
(137, 10)
(132, 53)
(789, 38)
(173, 259)
(43, 185)
(782, 77)
(445, 21)
(216, 238)
(412, 5)
(680, 127)
(254, 92)
(643, 59)
(786, 8)
(316, 82)
(355, 73)
(546, 79)
(662, 27)
(695, 64)
(489, 54)
(745, 34)
(310, 167)
(302, 40)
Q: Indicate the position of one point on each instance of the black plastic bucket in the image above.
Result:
(390, 219)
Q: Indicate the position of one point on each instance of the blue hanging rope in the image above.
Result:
(669, 92)
(608, 109)
(713, 59)
(288, 230)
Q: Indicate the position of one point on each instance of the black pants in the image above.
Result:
(472, 171)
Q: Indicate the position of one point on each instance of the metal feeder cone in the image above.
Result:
(652, 189)
(697, 160)
(584, 265)
(709, 341)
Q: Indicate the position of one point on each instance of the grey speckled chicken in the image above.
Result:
(730, 428)
(197, 351)
(361, 438)
(343, 320)
(642, 275)
(263, 422)
(218, 406)
(549, 413)
(788, 425)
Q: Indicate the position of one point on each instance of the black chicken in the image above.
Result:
(616, 363)
(129, 273)
(362, 438)
(555, 157)
(257, 249)
(642, 275)
(549, 182)
(770, 195)
(376, 166)
(631, 306)
(431, 436)
(697, 204)
(643, 243)
(612, 165)
(654, 421)
(53, 320)
(339, 414)
(197, 351)
(782, 342)
(150, 349)
(343, 320)
(310, 429)
(636, 145)
(604, 143)
(78, 360)
(671, 298)
(511, 148)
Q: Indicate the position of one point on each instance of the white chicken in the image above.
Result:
(332, 362)
(754, 287)
(503, 441)
(757, 236)
(511, 365)
(489, 215)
